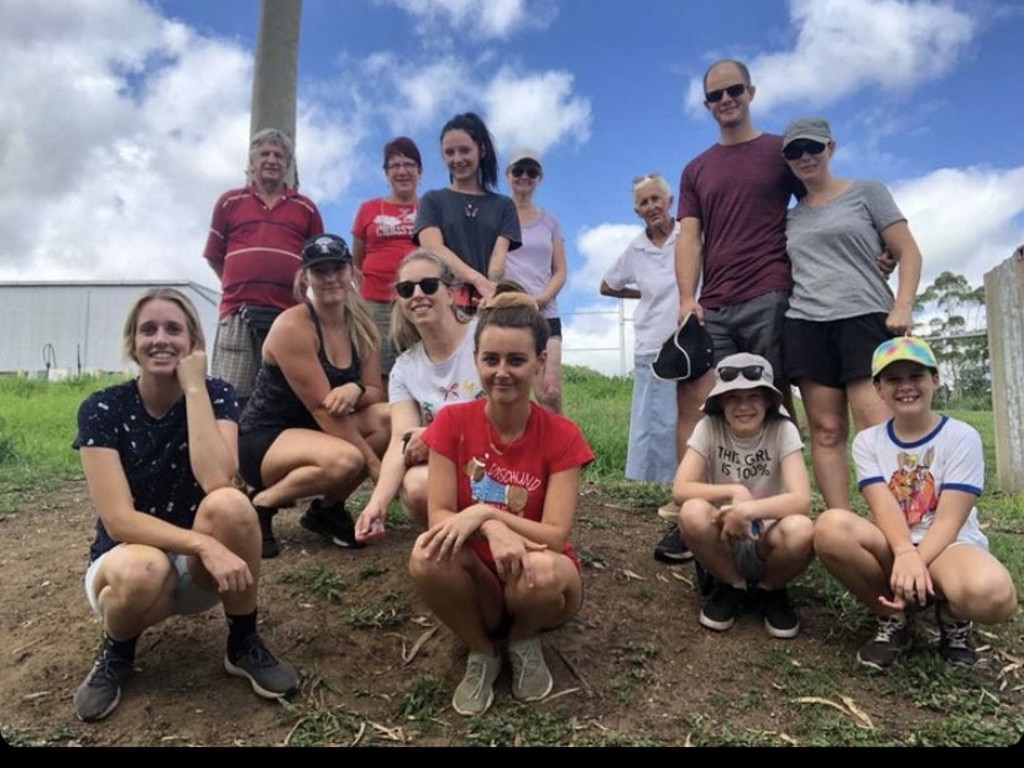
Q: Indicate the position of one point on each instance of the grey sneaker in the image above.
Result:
(269, 676)
(475, 693)
(891, 639)
(956, 640)
(531, 678)
(100, 692)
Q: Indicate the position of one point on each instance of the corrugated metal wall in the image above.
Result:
(76, 326)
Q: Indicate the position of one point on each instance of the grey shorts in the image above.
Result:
(235, 356)
(189, 597)
(747, 561)
(381, 311)
(753, 326)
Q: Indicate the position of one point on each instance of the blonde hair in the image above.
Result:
(404, 333)
(362, 328)
(131, 324)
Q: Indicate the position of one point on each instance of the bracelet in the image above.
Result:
(362, 388)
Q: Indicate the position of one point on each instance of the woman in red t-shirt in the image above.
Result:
(382, 236)
(504, 474)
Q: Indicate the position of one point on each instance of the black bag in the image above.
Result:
(258, 319)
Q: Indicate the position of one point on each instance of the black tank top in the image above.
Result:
(274, 404)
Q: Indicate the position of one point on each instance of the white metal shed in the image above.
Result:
(59, 328)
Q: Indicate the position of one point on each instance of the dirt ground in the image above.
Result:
(633, 668)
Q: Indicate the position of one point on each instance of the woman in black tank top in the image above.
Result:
(317, 422)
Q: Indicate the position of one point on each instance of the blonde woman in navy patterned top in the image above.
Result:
(173, 536)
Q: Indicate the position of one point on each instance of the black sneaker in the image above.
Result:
(720, 609)
(100, 692)
(892, 638)
(672, 548)
(269, 676)
(956, 640)
(779, 617)
(266, 516)
(333, 522)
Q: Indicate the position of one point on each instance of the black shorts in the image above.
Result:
(832, 353)
(252, 447)
(555, 327)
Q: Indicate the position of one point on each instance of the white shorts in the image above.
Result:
(189, 597)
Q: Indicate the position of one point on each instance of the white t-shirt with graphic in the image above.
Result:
(949, 457)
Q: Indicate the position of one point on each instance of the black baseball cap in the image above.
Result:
(322, 248)
(687, 354)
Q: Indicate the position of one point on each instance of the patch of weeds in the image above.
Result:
(397, 516)
(590, 559)
(63, 736)
(427, 699)
(320, 580)
(599, 523)
(326, 727)
(645, 594)
(370, 570)
(373, 617)
(636, 493)
(525, 726)
(638, 656)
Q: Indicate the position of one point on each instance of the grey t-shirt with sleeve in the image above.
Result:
(834, 250)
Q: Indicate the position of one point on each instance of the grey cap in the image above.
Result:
(813, 128)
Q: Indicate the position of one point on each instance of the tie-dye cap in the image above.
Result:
(902, 348)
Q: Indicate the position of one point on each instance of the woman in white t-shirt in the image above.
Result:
(435, 368)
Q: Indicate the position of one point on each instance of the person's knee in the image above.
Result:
(828, 431)
(832, 532)
(225, 512)
(986, 595)
(796, 533)
(414, 497)
(695, 517)
(342, 463)
(137, 575)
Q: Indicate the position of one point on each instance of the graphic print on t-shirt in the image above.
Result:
(513, 493)
(913, 485)
(740, 465)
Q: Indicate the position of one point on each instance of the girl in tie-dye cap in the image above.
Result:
(921, 473)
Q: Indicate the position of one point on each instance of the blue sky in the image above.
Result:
(123, 119)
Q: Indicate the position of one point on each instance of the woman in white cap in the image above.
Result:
(744, 498)
(538, 265)
(841, 306)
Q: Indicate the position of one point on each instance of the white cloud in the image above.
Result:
(120, 130)
(965, 220)
(488, 19)
(599, 247)
(599, 334)
(843, 46)
(539, 110)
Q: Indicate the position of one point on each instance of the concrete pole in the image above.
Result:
(275, 75)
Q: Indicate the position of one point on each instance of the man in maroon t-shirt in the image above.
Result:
(256, 235)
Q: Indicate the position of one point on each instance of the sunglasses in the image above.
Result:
(530, 171)
(734, 91)
(749, 372)
(796, 149)
(428, 285)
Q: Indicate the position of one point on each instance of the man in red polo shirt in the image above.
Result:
(255, 239)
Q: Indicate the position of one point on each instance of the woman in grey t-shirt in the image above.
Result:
(841, 306)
